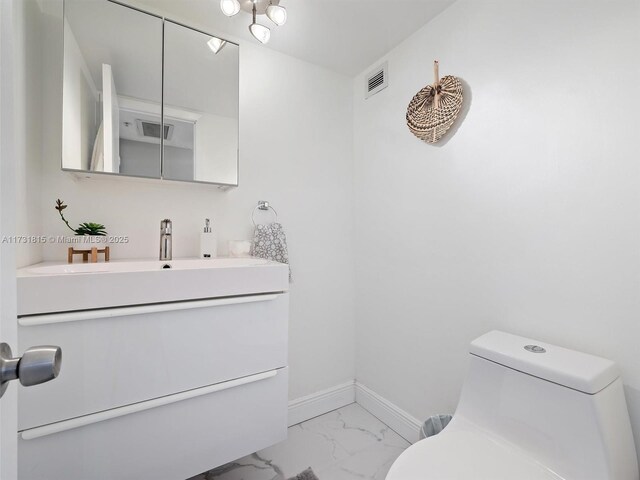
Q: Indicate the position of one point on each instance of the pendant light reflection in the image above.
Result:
(260, 32)
(216, 44)
(277, 14)
(229, 7)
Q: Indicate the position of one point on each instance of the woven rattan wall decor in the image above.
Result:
(434, 109)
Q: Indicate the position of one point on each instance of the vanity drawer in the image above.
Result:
(117, 357)
(170, 442)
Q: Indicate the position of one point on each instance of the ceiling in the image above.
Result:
(345, 36)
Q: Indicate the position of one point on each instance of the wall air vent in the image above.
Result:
(377, 80)
(150, 129)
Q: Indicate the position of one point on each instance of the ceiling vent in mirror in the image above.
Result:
(377, 80)
(152, 129)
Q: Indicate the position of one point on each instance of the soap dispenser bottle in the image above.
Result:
(208, 242)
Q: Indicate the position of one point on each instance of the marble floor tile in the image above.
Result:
(251, 467)
(306, 446)
(348, 443)
(372, 463)
(352, 427)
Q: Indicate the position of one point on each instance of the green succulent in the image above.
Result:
(86, 228)
(91, 228)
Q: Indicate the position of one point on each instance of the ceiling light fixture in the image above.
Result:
(260, 32)
(229, 7)
(270, 8)
(277, 14)
(216, 44)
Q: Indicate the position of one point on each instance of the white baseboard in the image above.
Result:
(321, 402)
(407, 426)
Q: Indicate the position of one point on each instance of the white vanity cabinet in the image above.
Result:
(161, 390)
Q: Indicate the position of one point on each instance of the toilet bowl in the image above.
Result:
(530, 411)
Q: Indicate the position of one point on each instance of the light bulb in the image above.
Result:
(260, 32)
(216, 44)
(229, 7)
(277, 14)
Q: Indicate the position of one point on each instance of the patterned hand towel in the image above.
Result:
(270, 242)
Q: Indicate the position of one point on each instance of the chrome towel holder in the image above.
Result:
(264, 206)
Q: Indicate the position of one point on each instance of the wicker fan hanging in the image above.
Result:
(434, 109)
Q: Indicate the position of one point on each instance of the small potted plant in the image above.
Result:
(95, 233)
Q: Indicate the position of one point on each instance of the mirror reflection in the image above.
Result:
(115, 119)
(200, 106)
(112, 89)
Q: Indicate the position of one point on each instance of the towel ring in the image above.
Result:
(262, 205)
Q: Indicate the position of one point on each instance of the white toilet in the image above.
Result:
(530, 411)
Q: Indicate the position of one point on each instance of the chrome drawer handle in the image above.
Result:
(51, 318)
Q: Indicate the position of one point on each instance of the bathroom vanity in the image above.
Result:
(167, 372)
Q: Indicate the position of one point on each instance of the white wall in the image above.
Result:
(300, 159)
(142, 159)
(27, 127)
(217, 149)
(527, 220)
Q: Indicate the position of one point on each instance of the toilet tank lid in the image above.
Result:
(579, 371)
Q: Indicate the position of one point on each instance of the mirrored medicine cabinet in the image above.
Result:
(147, 97)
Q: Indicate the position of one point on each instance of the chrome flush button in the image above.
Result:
(534, 349)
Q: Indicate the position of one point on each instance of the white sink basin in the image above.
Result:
(140, 266)
(60, 287)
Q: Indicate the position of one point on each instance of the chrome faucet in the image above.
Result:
(165, 239)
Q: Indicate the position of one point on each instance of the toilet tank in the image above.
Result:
(564, 408)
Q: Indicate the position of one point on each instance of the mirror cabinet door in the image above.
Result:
(112, 89)
(201, 94)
